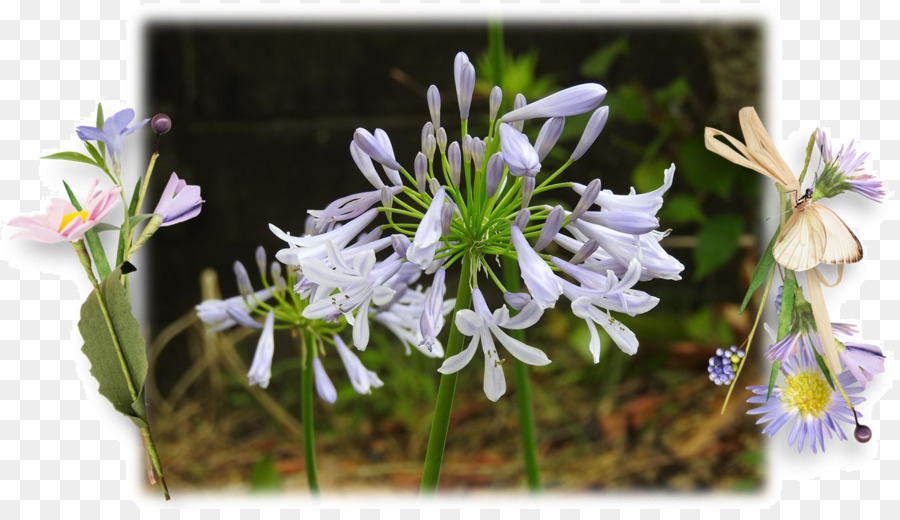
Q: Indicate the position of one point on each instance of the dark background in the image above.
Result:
(262, 119)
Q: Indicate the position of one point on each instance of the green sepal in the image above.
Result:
(137, 219)
(100, 349)
(99, 123)
(824, 368)
(761, 273)
(776, 366)
(98, 255)
(71, 156)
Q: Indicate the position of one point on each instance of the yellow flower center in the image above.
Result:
(66, 220)
(808, 393)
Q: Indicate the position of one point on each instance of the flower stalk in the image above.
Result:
(308, 345)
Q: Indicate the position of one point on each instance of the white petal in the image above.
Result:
(324, 386)
(623, 337)
(456, 362)
(521, 351)
(468, 322)
(494, 381)
(528, 316)
(361, 327)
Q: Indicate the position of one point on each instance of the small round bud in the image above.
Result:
(161, 123)
(862, 433)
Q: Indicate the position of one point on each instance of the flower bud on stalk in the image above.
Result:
(494, 101)
(161, 124)
(548, 136)
(527, 190)
(374, 148)
(494, 173)
(430, 147)
(261, 260)
(400, 244)
(387, 197)
(464, 76)
(446, 219)
(434, 105)
(518, 154)
(392, 174)
(243, 279)
(442, 140)
(467, 149)
(478, 153)
(434, 185)
(275, 270)
(569, 102)
(551, 227)
(586, 251)
(454, 158)
(586, 200)
(520, 102)
(420, 166)
(591, 131)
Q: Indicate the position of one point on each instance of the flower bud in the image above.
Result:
(586, 251)
(392, 174)
(430, 147)
(520, 102)
(442, 140)
(420, 166)
(478, 152)
(587, 200)
(569, 102)
(161, 123)
(494, 101)
(310, 226)
(464, 76)
(551, 227)
(243, 279)
(517, 300)
(434, 105)
(434, 185)
(446, 219)
(364, 163)
(591, 131)
(387, 197)
(427, 129)
(261, 260)
(372, 235)
(454, 157)
(467, 149)
(527, 190)
(518, 154)
(400, 243)
(494, 173)
(522, 218)
(275, 270)
(548, 136)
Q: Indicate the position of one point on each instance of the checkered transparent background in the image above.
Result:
(65, 454)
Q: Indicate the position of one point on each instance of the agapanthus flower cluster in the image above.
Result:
(723, 365)
(843, 171)
(472, 202)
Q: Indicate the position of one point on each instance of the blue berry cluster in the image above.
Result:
(724, 364)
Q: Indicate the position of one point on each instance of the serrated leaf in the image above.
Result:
(717, 242)
(761, 273)
(71, 156)
(92, 239)
(98, 329)
(776, 366)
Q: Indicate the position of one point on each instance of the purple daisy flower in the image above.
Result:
(803, 397)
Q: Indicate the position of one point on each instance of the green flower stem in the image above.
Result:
(154, 459)
(440, 422)
(523, 392)
(306, 403)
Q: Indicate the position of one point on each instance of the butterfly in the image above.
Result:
(813, 234)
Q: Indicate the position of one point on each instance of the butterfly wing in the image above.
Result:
(801, 243)
(841, 245)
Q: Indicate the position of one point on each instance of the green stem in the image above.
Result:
(306, 403)
(440, 422)
(154, 459)
(523, 392)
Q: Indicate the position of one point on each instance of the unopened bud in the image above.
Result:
(522, 218)
(161, 123)
(588, 197)
(434, 105)
(454, 158)
(420, 166)
(494, 101)
(585, 252)
(494, 173)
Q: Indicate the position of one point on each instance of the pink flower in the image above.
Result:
(62, 221)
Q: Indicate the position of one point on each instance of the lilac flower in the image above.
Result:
(868, 186)
(350, 207)
(216, 313)
(434, 106)
(518, 103)
(863, 361)
(548, 136)
(551, 227)
(374, 148)
(402, 317)
(630, 222)
(362, 379)
(391, 171)
(543, 285)
(428, 235)
(179, 202)
(494, 100)
(483, 326)
(804, 398)
(114, 129)
(623, 247)
(454, 160)
(364, 163)
(314, 246)
(261, 368)
(569, 102)
(518, 154)
(649, 202)
(324, 386)
(494, 174)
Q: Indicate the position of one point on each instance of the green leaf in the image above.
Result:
(98, 255)
(824, 368)
(761, 273)
(681, 209)
(776, 366)
(809, 149)
(99, 123)
(120, 252)
(137, 219)
(788, 292)
(103, 226)
(597, 65)
(265, 476)
(72, 156)
(132, 206)
(717, 242)
(98, 328)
